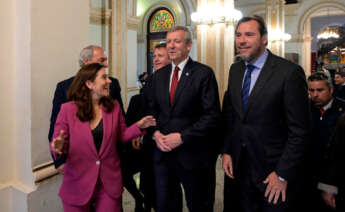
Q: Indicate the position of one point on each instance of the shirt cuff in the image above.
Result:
(327, 188)
(281, 179)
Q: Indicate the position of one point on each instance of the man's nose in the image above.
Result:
(242, 40)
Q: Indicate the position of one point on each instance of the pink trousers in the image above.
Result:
(101, 200)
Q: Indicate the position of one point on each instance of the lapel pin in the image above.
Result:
(187, 74)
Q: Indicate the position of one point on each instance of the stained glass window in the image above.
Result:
(161, 21)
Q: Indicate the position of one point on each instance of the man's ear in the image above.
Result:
(89, 84)
(85, 60)
(189, 45)
(265, 39)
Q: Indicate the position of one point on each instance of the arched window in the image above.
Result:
(159, 24)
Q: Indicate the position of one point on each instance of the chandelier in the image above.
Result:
(328, 33)
(214, 14)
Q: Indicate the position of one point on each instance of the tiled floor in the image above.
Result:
(128, 201)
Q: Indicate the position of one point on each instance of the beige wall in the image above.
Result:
(40, 42)
(6, 93)
(60, 29)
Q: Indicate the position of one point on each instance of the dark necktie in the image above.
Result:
(174, 83)
(246, 85)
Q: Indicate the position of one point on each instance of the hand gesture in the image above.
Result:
(58, 143)
(227, 165)
(274, 188)
(147, 121)
(329, 199)
(61, 169)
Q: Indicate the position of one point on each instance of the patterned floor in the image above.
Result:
(128, 201)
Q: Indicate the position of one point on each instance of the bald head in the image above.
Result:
(93, 54)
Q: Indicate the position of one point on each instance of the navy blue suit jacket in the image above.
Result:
(194, 113)
(275, 125)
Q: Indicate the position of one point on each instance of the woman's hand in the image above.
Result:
(58, 143)
(147, 121)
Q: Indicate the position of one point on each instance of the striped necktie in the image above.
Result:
(246, 85)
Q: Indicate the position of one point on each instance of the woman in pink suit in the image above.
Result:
(87, 129)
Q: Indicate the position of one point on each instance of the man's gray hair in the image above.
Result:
(321, 76)
(188, 37)
(86, 53)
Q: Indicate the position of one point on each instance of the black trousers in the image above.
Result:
(170, 174)
(232, 199)
(147, 178)
(252, 189)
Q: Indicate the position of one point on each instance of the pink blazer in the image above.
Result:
(84, 164)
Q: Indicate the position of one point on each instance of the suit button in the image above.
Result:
(98, 162)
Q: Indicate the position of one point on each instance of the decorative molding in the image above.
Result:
(258, 11)
(301, 38)
(44, 171)
(292, 9)
(133, 22)
(131, 89)
(141, 39)
(100, 16)
(313, 9)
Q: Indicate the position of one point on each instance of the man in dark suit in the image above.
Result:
(339, 80)
(89, 54)
(185, 103)
(325, 112)
(268, 120)
(332, 179)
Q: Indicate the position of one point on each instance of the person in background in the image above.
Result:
(339, 80)
(332, 179)
(325, 110)
(147, 177)
(87, 129)
(132, 157)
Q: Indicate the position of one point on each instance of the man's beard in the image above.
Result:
(251, 56)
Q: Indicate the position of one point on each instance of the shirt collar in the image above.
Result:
(328, 105)
(181, 65)
(260, 62)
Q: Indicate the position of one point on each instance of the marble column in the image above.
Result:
(275, 23)
(216, 44)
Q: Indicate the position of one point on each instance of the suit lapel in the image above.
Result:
(237, 87)
(265, 74)
(183, 81)
(165, 85)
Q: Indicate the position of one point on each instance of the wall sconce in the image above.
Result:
(276, 35)
(212, 14)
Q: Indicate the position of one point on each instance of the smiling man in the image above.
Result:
(160, 56)
(185, 102)
(267, 121)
